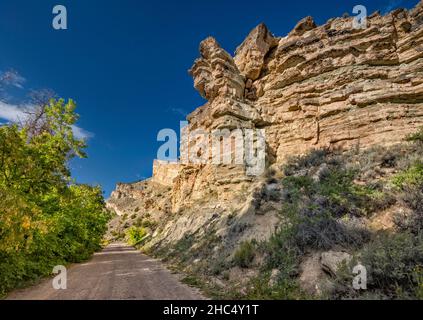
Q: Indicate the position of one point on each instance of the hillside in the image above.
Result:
(341, 109)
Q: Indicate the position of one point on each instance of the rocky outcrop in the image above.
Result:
(332, 260)
(329, 86)
(165, 172)
(250, 55)
(215, 73)
(335, 86)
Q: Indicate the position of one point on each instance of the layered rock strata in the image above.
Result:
(329, 86)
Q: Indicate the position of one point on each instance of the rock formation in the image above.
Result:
(329, 86)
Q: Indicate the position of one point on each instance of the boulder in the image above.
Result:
(332, 260)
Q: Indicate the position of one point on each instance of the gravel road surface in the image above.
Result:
(119, 272)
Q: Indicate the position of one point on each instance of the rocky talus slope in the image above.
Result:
(329, 87)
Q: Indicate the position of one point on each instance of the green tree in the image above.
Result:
(45, 218)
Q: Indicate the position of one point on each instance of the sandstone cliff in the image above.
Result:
(327, 87)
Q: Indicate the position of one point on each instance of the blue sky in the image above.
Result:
(125, 64)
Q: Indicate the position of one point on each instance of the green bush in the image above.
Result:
(285, 288)
(411, 221)
(321, 207)
(245, 254)
(135, 235)
(45, 218)
(329, 186)
(416, 137)
(324, 233)
(412, 176)
(316, 200)
(281, 251)
(394, 264)
(149, 224)
(392, 261)
(313, 159)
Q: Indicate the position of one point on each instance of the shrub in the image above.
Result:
(372, 160)
(313, 159)
(321, 206)
(282, 253)
(394, 269)
(412, 221)
(185, 243)
(412, 176)
(392, 261)
(219, 266)
(418, 275)
(245, 254)
(416, 137)
(138, 222)
(334, 190)
(135, 235)
(149, 224)
(283, 289)
(324, 233)
(45, 218)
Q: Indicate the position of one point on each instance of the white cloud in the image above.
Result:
(14, 113)
(12, 78)
(82, 133)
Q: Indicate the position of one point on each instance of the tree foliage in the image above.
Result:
(45, 218)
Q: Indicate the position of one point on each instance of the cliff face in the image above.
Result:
(329, 86)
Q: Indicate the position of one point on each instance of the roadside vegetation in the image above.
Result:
(46, 219)
(330, 201)
(136, 235)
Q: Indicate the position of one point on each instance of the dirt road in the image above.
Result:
(118, 272)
